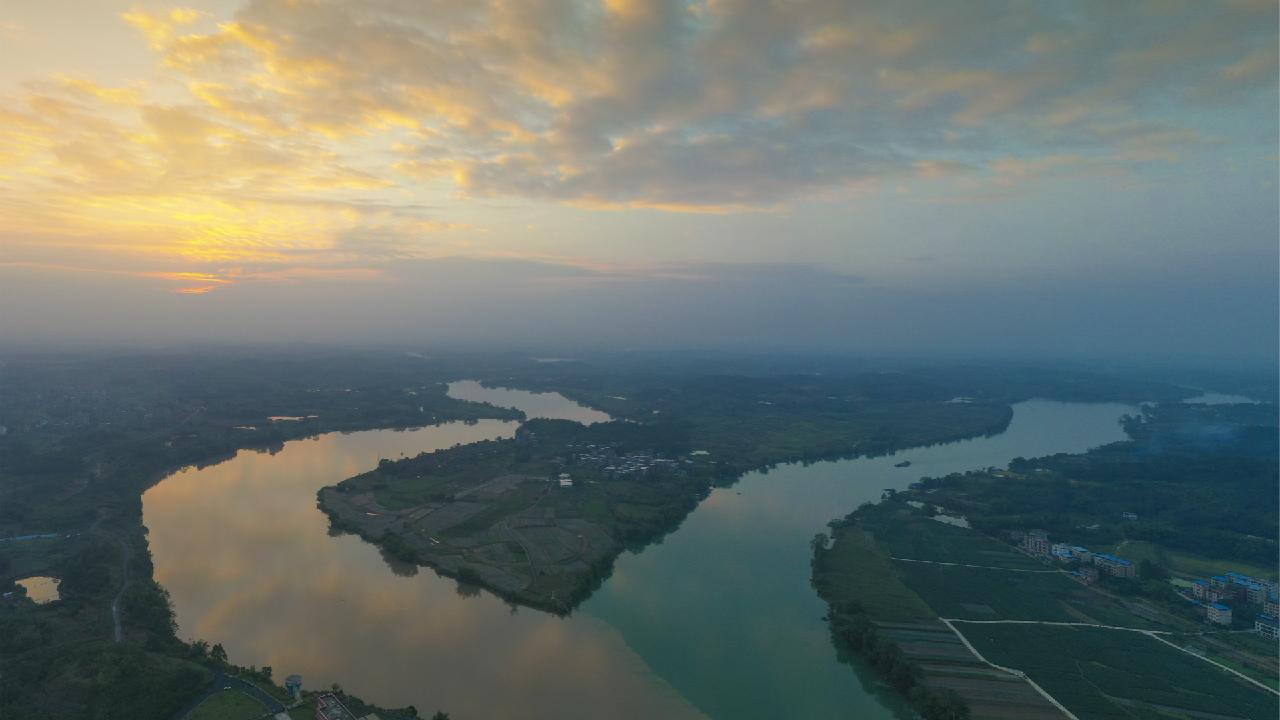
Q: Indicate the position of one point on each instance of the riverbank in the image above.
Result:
(934, 595)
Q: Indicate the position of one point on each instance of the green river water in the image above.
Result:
(717, 620)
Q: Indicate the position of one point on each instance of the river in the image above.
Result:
(717, 620)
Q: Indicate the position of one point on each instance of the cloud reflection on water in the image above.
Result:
(246, 556)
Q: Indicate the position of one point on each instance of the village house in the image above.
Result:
(1200, 589)
(1037, 543)
(1248, 588)
(1218, 614)
(1267, 626)
(1115, 566)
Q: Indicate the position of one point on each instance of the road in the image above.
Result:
(1012, 671)
(1153, 634)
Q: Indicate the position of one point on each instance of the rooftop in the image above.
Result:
(1113, 558)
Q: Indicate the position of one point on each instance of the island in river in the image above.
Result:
(539, 518)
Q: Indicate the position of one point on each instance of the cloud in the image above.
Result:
(323, 135)
(716, 104)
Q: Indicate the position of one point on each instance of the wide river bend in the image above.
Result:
(718, 620)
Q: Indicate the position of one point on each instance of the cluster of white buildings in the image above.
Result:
(1216, 594)
(1235, 588)
(1037, 544)
(638, 464)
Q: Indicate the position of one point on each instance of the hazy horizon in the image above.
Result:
(1067, 179)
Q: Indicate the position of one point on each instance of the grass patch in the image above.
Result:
(228, 705)
(982, 594)
(1187, 564)
(856, 569)
(958, 592)
(1115, 674)
(906, 533)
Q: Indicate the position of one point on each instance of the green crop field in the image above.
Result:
(982, 594)
(905, 533)
(1104, 674)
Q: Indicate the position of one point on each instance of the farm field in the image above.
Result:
(981, 594)
(1245, 652)
(946, 664)
(1099, 673)
(857, 575)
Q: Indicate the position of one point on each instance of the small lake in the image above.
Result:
(41, 589)
(717, 620)
(533, 404)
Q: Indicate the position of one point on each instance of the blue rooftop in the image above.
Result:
(1113, 558)
(1219, 606)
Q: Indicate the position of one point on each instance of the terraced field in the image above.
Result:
(947, 664)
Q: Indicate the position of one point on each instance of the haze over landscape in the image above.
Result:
(634, 359)
(1063, 178)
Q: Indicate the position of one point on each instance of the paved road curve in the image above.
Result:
(223, 681)
(1153, 634)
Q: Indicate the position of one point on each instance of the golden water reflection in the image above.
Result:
(248, 560)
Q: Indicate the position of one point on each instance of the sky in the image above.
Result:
(1039, 178)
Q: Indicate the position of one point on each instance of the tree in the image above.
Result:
(218, 654)
(440, 716)
(818, 544)
(945, 705)
(1149, 570)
